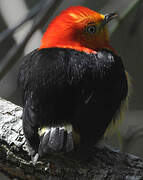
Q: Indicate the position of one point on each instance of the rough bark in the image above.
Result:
(105, 163)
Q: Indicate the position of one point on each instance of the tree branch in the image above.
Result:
(106, 163)
(124, 14)
(5, 35)
(40, 19)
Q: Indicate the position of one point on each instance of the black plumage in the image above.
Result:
(64, 86)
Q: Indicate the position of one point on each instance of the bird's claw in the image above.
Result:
(56, 139)
(35, 158)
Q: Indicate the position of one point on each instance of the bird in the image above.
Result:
(75, 84)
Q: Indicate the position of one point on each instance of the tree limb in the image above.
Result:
(123, 15)
(106, 163)
(40, 19)
(5, 35)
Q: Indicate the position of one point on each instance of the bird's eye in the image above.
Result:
(91, 29)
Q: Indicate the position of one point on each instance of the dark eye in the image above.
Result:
(91, 29)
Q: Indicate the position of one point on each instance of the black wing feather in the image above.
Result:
(68, 86)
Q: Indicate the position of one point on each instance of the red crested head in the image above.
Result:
(78, 28)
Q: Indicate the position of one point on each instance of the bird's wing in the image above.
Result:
(45, 79)
(41, 73)
(66, 81)
(53, 83)
(52, 71)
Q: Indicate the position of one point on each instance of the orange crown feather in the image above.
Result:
(69, 30)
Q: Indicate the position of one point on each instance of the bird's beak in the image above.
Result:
(108, 17)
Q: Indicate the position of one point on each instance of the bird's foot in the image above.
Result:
(35, 158)
(56, 139)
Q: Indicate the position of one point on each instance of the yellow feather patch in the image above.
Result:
(66, 127)
(120, 114)
(73, 15)
(42, 130)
